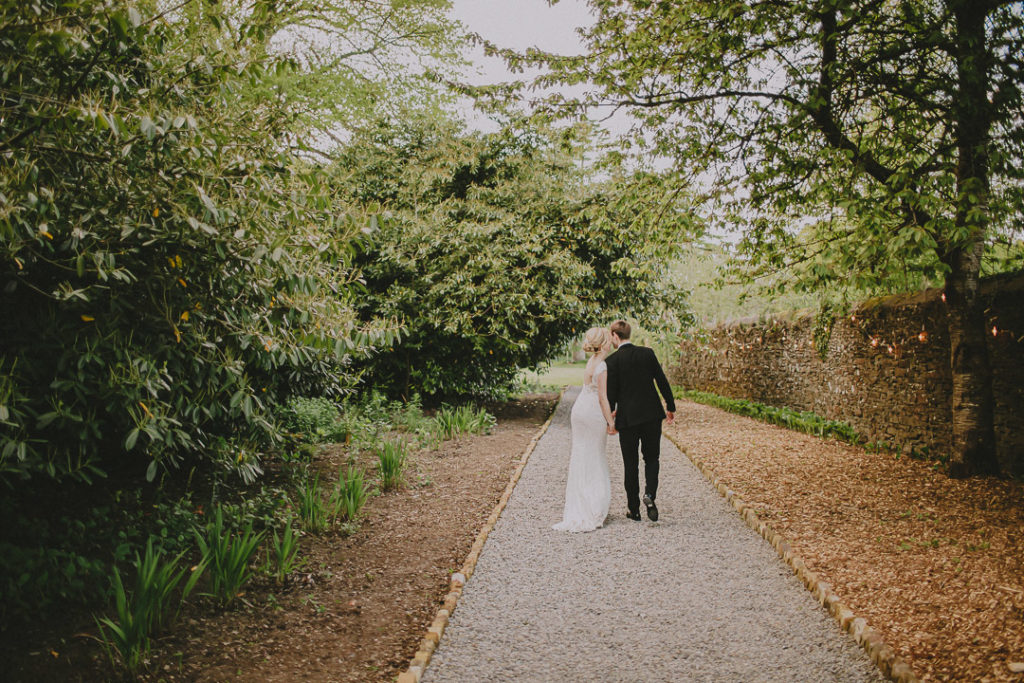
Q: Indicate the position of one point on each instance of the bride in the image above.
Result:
(588, 491)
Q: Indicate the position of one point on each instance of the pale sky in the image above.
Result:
(518, 24)
(521, 24)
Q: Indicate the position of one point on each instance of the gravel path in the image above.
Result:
(697, 596)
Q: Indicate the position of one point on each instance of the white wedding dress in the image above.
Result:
(588, 492)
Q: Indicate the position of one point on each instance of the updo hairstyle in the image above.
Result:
(595, 339)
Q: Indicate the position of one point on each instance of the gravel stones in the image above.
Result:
(695, 596)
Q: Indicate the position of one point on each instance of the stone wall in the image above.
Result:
(885, 372)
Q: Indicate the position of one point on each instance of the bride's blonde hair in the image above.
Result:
(595, 339)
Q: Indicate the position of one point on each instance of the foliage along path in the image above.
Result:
(697, 595)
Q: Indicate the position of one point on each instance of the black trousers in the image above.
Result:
(633, 439)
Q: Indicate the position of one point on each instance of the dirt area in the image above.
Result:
(936, 565)
(362, 602)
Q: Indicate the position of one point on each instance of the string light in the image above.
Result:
(922, 337)
(874, 342)
(995, 331)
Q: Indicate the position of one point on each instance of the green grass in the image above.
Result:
(558, 375)
(800, 421)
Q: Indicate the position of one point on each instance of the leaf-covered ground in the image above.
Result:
(935, 564)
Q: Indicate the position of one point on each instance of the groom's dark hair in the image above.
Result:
(621, 328)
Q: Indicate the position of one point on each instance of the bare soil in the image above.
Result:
(935, 564)
(361, 603)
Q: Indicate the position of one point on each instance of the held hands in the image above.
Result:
(670, 416)
(612, 430)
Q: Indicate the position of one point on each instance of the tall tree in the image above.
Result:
(851, 138)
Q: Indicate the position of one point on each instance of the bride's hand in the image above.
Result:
(611, 430)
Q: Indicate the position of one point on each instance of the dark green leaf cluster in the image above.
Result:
(168, 269)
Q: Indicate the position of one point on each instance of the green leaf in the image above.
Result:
(147, 128)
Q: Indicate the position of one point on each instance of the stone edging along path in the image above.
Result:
(429, 643)
(888, 662)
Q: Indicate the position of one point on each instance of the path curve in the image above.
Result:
(697, 596)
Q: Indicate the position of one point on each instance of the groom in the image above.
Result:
(632, 373)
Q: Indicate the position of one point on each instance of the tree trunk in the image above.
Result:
(973, 443)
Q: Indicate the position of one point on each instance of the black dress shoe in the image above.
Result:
(635, 516)
(652, 509)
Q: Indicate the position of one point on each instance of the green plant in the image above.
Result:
(464, 419)
(824, 321)
(125, 641)
(312, 418)
(143, 612)
(228, 556)
(391, 461)
(283, 556)
(806, 421)
(409, 416)
(349, 496)
(312, 513)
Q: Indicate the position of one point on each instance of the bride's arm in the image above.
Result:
(602, 395)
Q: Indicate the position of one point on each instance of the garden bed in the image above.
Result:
(359, 606)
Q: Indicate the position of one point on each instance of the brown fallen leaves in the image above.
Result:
(936, 565)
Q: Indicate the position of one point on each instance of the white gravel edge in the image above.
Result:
(419, 662)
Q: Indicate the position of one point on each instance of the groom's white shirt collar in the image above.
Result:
(624, 342)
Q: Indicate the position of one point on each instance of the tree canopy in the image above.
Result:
(851, 140)
(498, 249)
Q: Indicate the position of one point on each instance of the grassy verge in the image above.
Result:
(801, 421)
(557, 376)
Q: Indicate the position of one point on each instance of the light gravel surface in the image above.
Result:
(697, 596)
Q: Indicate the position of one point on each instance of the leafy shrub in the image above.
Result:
(51, 557)
(170, 269)
(312, 418)
(498, 249)
(39, 578)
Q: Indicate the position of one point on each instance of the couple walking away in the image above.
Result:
(618, 397)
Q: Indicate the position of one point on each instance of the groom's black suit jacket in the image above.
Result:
(632, 373)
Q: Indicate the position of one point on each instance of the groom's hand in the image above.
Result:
(670, 417)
